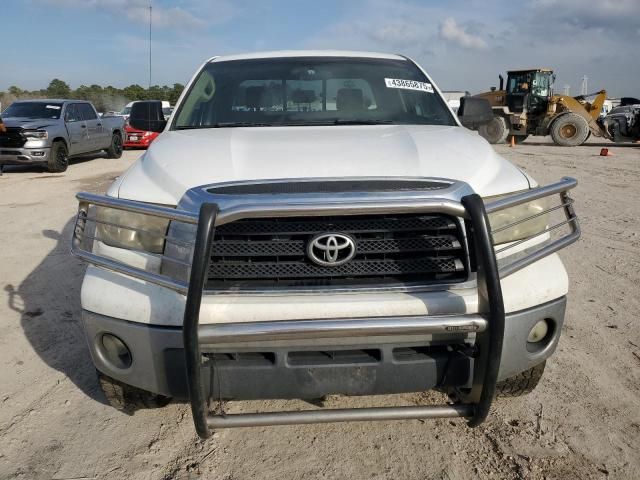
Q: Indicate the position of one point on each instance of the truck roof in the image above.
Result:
(306, 53)
(539, 69)
(52, 100)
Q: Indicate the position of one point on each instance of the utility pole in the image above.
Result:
(150, 18)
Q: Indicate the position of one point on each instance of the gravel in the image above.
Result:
(583, 420)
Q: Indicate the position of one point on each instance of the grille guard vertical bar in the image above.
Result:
(199, 269)
(490, 290)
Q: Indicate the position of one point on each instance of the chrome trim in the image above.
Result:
(137, 207)
(363, 207)
(119, 267)
(566, 204)
(338, 415)
(229, 333)
(565, 184)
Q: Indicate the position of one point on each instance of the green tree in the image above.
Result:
(58, 89)
(155, 92)
(134, 92)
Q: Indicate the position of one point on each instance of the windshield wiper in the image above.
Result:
(225, 125)
(339, 121)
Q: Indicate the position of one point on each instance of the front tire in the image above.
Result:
(569, 130)
(522, 383)
(127, 398)
(115, 149)
(58, 158)
(496, 131)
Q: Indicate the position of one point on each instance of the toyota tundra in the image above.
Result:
(312, 223)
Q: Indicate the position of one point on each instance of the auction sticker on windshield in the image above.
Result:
(408, 84)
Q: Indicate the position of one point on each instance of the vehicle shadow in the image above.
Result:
(7, 169)
(48, 301)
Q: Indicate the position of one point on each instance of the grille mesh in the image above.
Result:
(389, 249)
(13, 138)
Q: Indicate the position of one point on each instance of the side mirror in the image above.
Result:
(147, 116)
(474, 112)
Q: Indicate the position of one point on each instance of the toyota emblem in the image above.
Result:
(331, 249)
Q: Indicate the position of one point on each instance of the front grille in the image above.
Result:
(13, 138)
(390, 249)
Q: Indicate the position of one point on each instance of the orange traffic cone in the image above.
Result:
(513, 141)
(606, 153)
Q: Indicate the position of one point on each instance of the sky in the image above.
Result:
(463, 44)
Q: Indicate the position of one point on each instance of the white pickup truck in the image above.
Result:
(314, 223)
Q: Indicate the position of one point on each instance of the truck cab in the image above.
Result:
(529, 89)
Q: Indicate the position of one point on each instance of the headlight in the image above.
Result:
(36, 134)
(533, 211)
(134, 231)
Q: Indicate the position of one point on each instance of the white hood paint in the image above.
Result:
(180, 160)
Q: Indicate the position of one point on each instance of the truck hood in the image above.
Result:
(27, 123)
(180, 160)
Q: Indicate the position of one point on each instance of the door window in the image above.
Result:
(87, 111)
(72, 114)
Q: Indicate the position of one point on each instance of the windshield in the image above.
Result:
(33, 110)
(311, 91)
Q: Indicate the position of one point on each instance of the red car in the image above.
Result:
(138, 138)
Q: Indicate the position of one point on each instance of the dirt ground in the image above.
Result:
(583, 421)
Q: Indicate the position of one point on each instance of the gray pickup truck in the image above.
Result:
(49, 132)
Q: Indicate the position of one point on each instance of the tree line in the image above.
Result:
(105, 99)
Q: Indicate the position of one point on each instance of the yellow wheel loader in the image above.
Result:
(527, 106)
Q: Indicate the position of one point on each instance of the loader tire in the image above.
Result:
(522, 383)
(569, 130)
(128, 398)
(496, 131)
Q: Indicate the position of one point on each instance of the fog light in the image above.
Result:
(37, 154)
(116, 351)
(538, 332)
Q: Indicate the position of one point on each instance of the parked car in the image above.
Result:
(50, 132)
(315, 223)
(135, 138)
(166, 109)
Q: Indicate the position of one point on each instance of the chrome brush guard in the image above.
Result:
(488, 326)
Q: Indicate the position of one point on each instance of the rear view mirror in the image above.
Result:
(474, 112)
(147, 116)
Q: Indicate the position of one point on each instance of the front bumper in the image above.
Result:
(277, 368)
(23, 156)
